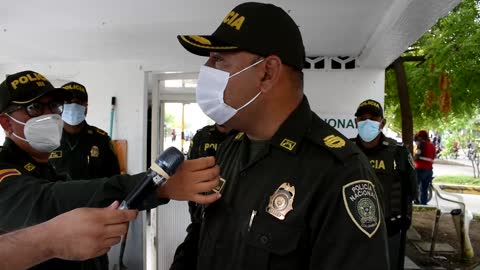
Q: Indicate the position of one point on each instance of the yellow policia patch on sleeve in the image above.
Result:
(361, 203)
(8, 172)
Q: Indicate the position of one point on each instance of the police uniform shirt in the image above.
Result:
(393, 165)
(307, 200)
(205, 142)
(31, 193)
(86, 155)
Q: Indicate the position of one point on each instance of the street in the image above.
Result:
(442, 167)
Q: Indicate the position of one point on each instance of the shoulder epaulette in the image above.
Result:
(330, 139)
(101, 132)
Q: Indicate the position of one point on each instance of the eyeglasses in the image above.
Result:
(36, 108)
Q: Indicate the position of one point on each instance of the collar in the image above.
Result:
(17, 156)
(383, 142)
(291, 132)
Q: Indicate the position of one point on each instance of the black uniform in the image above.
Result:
(205, 143)
(306, 199)
(86, 155)
(393, 165)
(31, 193)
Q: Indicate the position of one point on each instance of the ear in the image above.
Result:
(383, 123)
(273, 69)
(5, 122)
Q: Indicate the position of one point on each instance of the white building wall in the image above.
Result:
(335, 95)
(124, 80)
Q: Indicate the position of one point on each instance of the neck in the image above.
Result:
(40, 157)
(271, 117)
(73, 129)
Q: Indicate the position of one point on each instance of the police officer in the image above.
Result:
(297, 194)
(30, 190)
(86, 152)
(204, 143)
(393, 165)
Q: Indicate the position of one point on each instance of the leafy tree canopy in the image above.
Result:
(444, 89)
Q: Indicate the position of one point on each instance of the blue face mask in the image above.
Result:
(368, 130)
(73, 114)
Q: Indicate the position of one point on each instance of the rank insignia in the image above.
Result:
(239, 136)
(288, 144)
(361, 203)
(29, 167)
(56, 154)
(8, 172)
(219, 187)
(281, 201)
(333, 141)
(94, 152)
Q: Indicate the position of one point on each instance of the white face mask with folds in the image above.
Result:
(211, 86)
(43, 132)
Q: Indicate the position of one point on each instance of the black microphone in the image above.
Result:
(158, 173)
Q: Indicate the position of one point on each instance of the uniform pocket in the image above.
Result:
(273, 244)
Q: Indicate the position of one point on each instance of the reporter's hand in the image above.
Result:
(192, 178)
(85, 233)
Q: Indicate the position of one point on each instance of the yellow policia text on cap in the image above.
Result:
(234, 19)
(370, 102)
(39, 79)
(74, 87)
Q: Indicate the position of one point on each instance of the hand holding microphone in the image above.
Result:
(176, 179)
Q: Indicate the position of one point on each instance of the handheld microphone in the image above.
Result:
(158, 173)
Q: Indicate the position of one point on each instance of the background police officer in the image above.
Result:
(297, 194)
(394, 167)
(30, 190)
(86, 152)
(204, 143)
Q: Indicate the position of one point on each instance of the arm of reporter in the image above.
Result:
(79, 234)
(191, 180)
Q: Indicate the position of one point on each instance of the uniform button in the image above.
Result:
(243, 174)
(264, 239)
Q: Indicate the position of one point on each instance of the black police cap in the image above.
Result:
(25, 87)
(262, 29)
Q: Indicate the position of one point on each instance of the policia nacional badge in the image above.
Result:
(281, 201)
(94, 152)
(361, 203)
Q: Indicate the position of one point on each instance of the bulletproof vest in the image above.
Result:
(384, 161)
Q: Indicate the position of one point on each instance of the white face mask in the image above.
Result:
(211, 86)
(73, 113)
(43, 132)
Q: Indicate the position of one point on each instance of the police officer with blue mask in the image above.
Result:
(86, 152)
(393, 165)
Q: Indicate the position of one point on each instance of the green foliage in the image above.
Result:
(452, 48)
(457, 179)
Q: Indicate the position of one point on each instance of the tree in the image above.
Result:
(446, 85)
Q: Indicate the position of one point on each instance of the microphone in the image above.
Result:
(158, 173)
